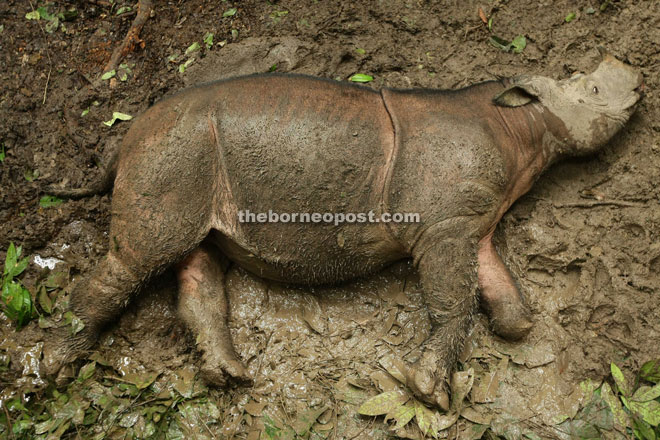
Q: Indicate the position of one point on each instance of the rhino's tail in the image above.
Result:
(100, 186)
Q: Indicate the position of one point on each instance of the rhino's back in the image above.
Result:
(296, 144)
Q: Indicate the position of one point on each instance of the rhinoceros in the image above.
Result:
(194, 162)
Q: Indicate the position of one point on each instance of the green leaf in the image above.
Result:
(382, 403)
(118, 116)
(86, 371)
(570, 17)
(519, 43)
(43, 13)
(76, 323)
(84, 112)
(273, 68)
(360, 51)
(642, 430)
(50, 201)
(650, 411)
(184, 66)
(123, 9)
(13, 266)
(52, 25)
(580, 429)
(644, 393)
(31, 175)
(619, 414)
(208, 40)
(620, 380)
(650, 371)
(192, 48)
(44, 300)
(19, 267)
(361, 78)
(402, 414)
(490, 23)
(229, 12)
(425, 418)
(2, 153)
(109, 74)
(69, 14)
(141, 380)
(10, 258)
(499, 43)
(47, 426)
(33, 15)
(234, 34)
(17, 303)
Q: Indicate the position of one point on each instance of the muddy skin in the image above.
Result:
(293, 143)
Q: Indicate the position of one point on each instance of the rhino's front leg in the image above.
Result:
(509, 316)
(448, 271)
(203, 306)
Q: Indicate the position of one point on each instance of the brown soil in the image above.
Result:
(584, 244)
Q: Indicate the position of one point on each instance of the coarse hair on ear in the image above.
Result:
(522, 91)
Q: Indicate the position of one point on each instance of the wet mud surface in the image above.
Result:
(584, 244)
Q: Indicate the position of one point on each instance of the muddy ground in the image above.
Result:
(584, 244)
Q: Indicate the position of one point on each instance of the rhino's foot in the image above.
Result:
(500, 298)
(218, 370)
(428, 381)
(510, 320)
(61, 349)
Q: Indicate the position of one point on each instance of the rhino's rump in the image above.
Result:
(302, 145)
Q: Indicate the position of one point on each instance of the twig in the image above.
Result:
(50, 69)
(50, 62)
(9, 427)
(592, 203)
(132, 37)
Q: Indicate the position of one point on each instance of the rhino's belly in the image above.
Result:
(312, 254)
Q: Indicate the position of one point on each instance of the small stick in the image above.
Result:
(132, 37)
(10, 428)
(50, 69)
(593, 203)
(50, 62)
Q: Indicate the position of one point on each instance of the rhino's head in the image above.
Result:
(592, 108)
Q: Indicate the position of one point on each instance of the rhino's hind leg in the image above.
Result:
(95, 300)
(204, 308)
(509, 316)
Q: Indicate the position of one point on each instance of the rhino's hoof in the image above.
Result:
(511, 320)
(512, 330)
(428, 387)
(61, 350)
(219, 373)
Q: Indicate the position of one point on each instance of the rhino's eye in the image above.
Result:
(595, 90)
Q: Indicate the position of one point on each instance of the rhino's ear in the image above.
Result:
(522, 90)
(514, 96)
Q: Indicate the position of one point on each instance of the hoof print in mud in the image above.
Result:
(193, 166)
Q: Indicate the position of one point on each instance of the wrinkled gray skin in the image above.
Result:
(299, 144)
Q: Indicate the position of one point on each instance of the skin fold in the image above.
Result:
(293, 143)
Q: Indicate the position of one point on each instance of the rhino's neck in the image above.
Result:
(530, 138)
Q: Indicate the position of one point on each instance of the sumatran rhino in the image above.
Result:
(296, 144)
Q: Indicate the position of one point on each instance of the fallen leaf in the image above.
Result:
(383, 403)
(482, 15)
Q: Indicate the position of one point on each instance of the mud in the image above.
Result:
(583, 244)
